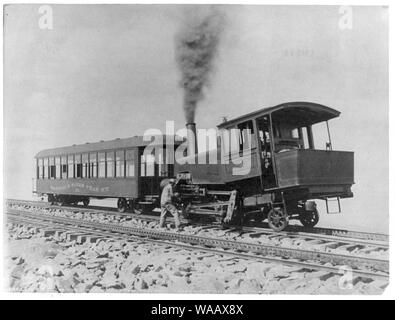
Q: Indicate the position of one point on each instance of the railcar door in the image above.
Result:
(152, 172)
(266, 152)
(147, 175)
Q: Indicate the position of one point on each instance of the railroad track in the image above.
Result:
(330, 262)
(325, 236)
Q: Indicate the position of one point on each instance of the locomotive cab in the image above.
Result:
(287, 170)
(296, 162)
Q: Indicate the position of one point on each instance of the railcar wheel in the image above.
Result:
(85, 202)
(137, 208)
(309, 218)
(51, 199)
(122, 204)
(277, 219)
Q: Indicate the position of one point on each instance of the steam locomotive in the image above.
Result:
(265, 166)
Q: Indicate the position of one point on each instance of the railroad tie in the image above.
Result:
(46, 232)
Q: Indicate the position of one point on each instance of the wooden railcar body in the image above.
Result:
(106, 169)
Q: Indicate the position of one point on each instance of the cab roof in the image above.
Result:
(125, 143)
(305, 113)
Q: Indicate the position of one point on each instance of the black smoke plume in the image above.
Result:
(196, 48)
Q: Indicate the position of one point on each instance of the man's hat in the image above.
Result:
(164, 183)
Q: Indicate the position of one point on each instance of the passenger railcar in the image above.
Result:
(107, 169)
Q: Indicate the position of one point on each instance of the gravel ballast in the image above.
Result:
(52, 263)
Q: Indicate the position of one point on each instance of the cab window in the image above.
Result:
(246, 132)
(287, 137)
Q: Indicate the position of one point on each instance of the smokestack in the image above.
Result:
(192, 138)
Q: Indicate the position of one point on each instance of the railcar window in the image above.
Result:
(120, 163)
(52, 169)
(70, 161)
(102, 164)
(57, 169)
(40, 168)
(142, 166)
(147, 165)
(85, 164)
(78, 166)
(110, 164)
(46, 168)
(63, 164)
(129, 159)
(93, 165)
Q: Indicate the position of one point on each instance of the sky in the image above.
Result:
(108, 71)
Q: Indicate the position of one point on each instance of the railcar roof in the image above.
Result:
(312, 112)
(136, 141)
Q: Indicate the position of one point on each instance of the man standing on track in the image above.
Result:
(166, 203)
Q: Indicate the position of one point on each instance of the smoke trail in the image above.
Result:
(196, 48)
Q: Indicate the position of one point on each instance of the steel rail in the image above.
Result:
(353, 261)
(316, 236)
(347, 237)
(237, 255)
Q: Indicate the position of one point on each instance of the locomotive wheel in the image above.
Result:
(258, 217)
(309, 218)
(85, 202)
(277, 219)
(121, 205)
